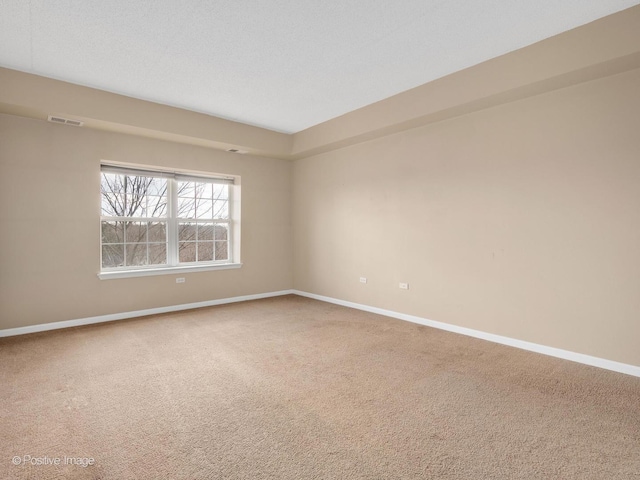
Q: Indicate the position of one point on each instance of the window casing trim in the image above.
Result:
(173, 266)
(164, 173)
(165, 270)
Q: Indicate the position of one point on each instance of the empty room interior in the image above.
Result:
(332, 240)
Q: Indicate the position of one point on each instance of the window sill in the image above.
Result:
(149, 272)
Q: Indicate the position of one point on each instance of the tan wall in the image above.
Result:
(30, 95)
(521, 220)
(49, 216)
(605, 47)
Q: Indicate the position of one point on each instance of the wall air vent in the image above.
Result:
(235, 150)
(65, 121)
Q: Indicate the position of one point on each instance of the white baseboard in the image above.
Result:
(138, 313)
(512, 342)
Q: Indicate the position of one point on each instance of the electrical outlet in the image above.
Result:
(363, 279)
(404, 286)
(180, 280)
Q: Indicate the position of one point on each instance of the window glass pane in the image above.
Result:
(112, 256)
(128, 195)
(187, 251)
(135, 232)
(186, 189)
(109, 181)
(198, 189)
(157, 253)
(220, 192)
(157, 232)
(186, 207)
(135, 206)
(205, 251)
(111, 204)
(205, 190)
(112, 232)
(186, 231)
(156, 206)
(157, 186)
(205, 231)
(221, 209)
(136, 254)
(112, 183)
(137, 184)
(222, 251)
(221, 232)
(204, 208)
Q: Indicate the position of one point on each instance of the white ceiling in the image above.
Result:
(285, 65)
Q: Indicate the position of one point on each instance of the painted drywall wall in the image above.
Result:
(49, 216)
(605, 47)
(35, 96)
(521, 220)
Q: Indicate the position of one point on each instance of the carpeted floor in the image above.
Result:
(292, 388)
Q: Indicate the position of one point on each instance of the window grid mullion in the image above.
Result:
(230, 226)
(147, 240)
(172, 227)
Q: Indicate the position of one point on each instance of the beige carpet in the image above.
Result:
(292, 388)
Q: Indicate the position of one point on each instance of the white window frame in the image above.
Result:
(173, 266)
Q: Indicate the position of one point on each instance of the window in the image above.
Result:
(162, 222)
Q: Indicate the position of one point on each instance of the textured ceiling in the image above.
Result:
(284, 65)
